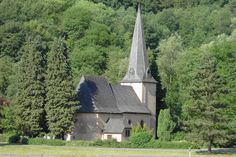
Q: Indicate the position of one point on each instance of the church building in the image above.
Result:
(109, 111)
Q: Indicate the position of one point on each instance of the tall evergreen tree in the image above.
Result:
(60, 106)
(30, 98)
(165, 125)
(207, 118)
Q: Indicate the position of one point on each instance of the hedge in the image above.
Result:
(99, 143)
(79, 143)
(171, 144)
(50, 142)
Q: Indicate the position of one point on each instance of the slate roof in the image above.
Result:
(96, 95)
(138, 70)
(120, 125)
(127, 100)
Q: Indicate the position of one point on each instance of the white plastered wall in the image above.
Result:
(138, 88)
(118, 137)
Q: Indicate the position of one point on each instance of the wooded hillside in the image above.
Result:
(191, 48)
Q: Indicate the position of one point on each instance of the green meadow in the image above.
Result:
(65, 151)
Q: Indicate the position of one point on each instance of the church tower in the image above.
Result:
(138, 75)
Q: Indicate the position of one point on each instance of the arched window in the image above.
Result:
(129, 122)
(142, 123)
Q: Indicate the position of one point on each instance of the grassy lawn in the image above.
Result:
(63, 151)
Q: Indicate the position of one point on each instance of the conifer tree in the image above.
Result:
(60, 105)
(30, 98)
(165, 125)
(207, 118)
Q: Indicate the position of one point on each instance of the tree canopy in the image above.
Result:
(97, 36)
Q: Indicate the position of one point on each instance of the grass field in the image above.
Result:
(63, 151)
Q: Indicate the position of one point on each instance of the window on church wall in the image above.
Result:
(129, 122)
(109, 137)
(127, 133)
(142, 123)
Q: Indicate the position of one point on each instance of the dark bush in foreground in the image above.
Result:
(15, 138)
(24, 140)
(50, 142)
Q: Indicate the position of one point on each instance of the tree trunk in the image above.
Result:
(209, 147)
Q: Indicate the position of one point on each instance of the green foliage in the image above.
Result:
(5, 73)
(99, 38)
(12, 38)
(14, 138)
(30, 97)
(140, 136)
(76, 21)
(170, 50)
(116, 66)
(89, 60)
(8, 120)
(106, 143)
(171, 145)
(165, 125)
(179, 136)
(49, 142)
(3, 138)
(206, 115)
(79, 143)
(24, 140)
(60, 106)
(140, 139)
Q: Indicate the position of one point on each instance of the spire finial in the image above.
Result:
(139, 6)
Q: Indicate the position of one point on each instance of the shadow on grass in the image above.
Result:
(218, 151)
(4, 144)
(8, 144)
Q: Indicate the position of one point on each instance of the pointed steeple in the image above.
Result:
(138, 67)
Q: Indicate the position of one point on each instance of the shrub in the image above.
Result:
(165, 125)
(3, 138)
(106, 143)
(98, 142)
(172, 144)
(79, 143)
(50, 142)
(14, 138)
(140, 139)
(179, 136)
(24, 140)
(125, 144)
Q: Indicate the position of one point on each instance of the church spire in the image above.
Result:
(138, 66)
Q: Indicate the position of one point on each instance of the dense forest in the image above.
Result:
(47, 45)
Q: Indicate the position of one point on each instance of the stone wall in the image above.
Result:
(89, 125)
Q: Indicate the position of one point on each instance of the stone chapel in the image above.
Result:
(109, 111)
